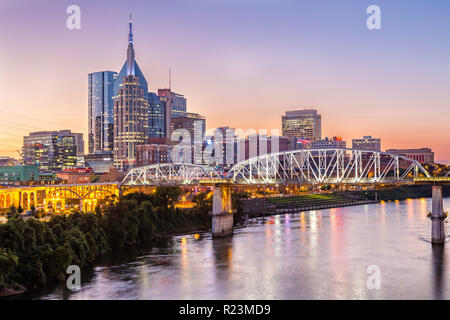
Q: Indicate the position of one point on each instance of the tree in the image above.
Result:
(8, 261)
(202, 203)
(166, 197)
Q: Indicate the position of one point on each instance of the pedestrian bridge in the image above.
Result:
(307, 166)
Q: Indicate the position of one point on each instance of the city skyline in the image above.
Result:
(395, 106)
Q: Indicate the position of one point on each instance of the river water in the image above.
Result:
(320, 254)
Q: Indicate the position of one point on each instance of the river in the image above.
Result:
(309, 255)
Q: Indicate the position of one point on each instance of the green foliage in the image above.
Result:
(165, 197)
(34, 252)
(202, 203)
(8, 261)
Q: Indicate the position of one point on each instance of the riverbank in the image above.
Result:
(35, 253)
(307, 202)
(294, 209)
(399, 193)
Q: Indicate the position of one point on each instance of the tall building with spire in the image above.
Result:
(130, 109)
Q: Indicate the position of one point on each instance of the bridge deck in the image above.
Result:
(432, 180)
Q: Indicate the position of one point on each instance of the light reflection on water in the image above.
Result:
(321, 254)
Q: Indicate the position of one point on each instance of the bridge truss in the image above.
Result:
(170, 174)
(323, 166)
(307, 166)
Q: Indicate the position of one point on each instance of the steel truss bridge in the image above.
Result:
(307, 166)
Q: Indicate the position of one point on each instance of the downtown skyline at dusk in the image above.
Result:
(239, 64)
(241, 154)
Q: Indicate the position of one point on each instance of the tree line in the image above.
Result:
(34, 253)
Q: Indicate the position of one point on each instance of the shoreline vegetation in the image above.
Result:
(34, 253)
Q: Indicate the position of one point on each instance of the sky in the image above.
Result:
(241, 63)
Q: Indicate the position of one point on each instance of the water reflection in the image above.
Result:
(321, 254)
(438, 271)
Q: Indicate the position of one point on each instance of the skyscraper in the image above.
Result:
(101, 111)
(130, 110)
(195, 124)
(175, 106)
(50, 150)
(156, 117)
(188, 122)
(302, 124)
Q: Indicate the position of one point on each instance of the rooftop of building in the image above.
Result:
(410, 150)
(301, 112)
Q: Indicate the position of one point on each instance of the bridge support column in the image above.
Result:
(222, 212)
(437, 217)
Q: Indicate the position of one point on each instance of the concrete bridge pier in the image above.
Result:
(437, 217)
(222, 211)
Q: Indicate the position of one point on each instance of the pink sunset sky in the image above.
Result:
(240, 63)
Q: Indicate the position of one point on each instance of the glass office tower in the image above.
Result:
(175, 101)
(50, 150)
(101, 111)
(156, 117)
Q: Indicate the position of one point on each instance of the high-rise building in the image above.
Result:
(50, 150)
(302, 124)
(156, 117)
(195, 124)
(188, 122)
(101, 111)
(174, 106)
(176, 102)
(367, 143)
(79, 142)
(130, 110)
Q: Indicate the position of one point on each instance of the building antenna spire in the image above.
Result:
(130, 35)
(130, 52)
(170, 80)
